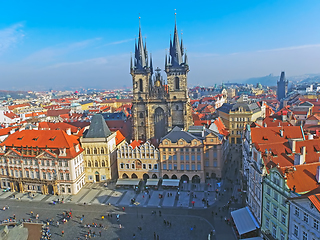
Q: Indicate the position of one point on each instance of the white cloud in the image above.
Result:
(10, 36)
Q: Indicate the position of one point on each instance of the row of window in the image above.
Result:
(144, 166)
(137, 155)
(273, 230)
(95, 163)
(193, 167)
(95, 151)
(34, 174)
(277, 197)
(240, 119)
(306, 218)
(35, 162)
(275, 212)
(182, 157)
(304, 233)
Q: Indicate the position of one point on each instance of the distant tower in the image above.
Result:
(282, 87)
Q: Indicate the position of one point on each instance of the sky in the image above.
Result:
(87, 44)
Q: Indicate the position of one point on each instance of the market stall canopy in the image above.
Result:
(170, 182)
(152, 182)
(128, 182)
(244, 220)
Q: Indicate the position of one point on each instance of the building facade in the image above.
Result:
(44, 161)
(236, 116)
(100, 155)
(304, 221)
(138, 161)
(158, 106)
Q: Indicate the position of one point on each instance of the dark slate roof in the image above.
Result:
(176, 134)
(226, 107)
(98, 128)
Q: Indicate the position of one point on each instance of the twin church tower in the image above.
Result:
(158, 105)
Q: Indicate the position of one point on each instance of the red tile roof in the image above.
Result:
(11, 115)
(134, 144)
(44, 139)
(57, 126)
(18, 106)
(119, 138)
(272, 134)
(315, 199)
(57, 112)
(303, 179)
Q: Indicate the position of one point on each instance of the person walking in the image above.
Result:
(62, 233)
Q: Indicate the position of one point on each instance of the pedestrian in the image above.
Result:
(160, 213)
(134, 236)
(100, 233)
(170, 224)
(57, 223)
(62, 233)
(141, 216)
(154, 236)
(149, 196)
(165, 222)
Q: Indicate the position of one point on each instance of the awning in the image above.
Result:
(244, 220)
(170, 182)
(152, 182)
(128, 182)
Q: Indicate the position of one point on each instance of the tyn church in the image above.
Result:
(158, 106)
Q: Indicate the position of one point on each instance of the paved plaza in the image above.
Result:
(97, 194)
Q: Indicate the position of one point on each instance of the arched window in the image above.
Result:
(95, 151)
(88, 150)
(140, 85)
(141, 115)
(103, 163)
(102, 151)
(96, 163)
(176, 83)
(89, 163)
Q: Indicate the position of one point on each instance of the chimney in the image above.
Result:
(300, 158)
(292, 143)
(281, 133)
(68, 131)
(310, 136)
(265, 125)
(318, 174)
(284, 117)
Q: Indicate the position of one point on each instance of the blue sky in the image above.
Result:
(57, 44)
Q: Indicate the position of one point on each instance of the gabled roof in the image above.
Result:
(119, 137)
(315, 199)
(176, 133)
(134, 144)
(98, 128)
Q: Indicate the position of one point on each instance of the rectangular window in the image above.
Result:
(67, 176)
(283, 218)
(198, 167)
(66, 164)
(150, 166)
(267, 222)
(155, 166)
(164, 157)
(144, 166)
(275, 211)
(164, 166)
(49, 176)
(214, 154)
(296, 212)
(304, 235)
(207, 163)
(132, 166)
(127, 166)
(175, 166)
(174, 157)
(207, 154)
(315, 224)
(27, 174)
(274, 230)
(61, 176)
(187, 167)
(192, 149)
(193, 167)
(275, 196)
(181, 166)
(60, 163)
(193, 158)
(42, 162)
(268, 205)
(187, 157)
(296, 230)
(48, 163)
(44, 175)
(282, 235)
(52, 163)
(181, 157)
(198, 157)
(306, 217)
(215, 163)
(170, 166)
(284, 202)
(181, 149)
